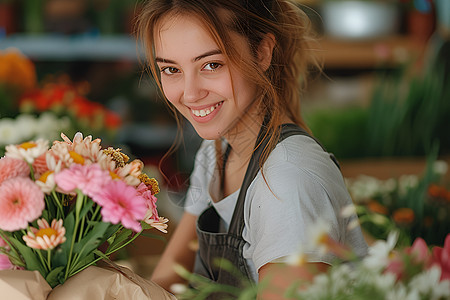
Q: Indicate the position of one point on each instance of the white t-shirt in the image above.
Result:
(305, 186)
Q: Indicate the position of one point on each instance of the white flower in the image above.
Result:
(378, 255)
(27, 126)
(318, 235)
(27, 151)
(440, 167)
(178, 288)
(428, 285)
(8, 132)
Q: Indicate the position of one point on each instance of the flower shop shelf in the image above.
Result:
(76, 47)
(390, 51)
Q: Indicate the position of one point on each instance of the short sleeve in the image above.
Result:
(294, 193)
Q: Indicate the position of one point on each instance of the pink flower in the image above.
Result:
(40, 165)
(441, 257)
(150, 200)
(121, 203)
(5, 263)
(21, 201)
(12, 167)
(46, 237)
(88, 178)
(419, 254)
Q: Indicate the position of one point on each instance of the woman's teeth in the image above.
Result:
(205, 112)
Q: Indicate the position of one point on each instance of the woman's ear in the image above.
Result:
(265, 50)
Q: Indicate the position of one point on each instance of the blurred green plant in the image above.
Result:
(409, 112)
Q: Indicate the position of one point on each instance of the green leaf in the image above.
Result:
(87, 207)
(120, 239)
(30, 256)
(83, 262)
(69, 225)
(92, 240)
(54, 275)
(101, 254)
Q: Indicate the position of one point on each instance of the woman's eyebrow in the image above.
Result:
(197, 58)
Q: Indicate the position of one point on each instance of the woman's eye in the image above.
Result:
(169, 70)
(212, 66)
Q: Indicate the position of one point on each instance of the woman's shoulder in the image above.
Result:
(303, 153)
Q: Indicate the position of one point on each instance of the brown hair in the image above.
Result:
(281, 84)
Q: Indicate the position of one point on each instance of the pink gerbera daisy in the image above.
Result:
(46, 237)
(21, 201)
(121, 203)
(12, 167)
(88, 178)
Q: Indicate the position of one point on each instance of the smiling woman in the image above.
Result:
(233, 69)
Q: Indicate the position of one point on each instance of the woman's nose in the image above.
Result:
(193, 88)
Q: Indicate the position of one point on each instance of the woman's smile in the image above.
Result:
(205, 113)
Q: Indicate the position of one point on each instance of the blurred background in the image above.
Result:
(381, 104)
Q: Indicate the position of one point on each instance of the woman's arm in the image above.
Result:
(177, 252)
(278, 277)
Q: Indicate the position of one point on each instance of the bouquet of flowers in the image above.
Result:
(66, 207)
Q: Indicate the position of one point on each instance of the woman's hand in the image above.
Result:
(177, 252)
(277, 277)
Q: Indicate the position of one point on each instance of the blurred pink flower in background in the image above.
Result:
(22, 201)
(5, 263)
(441, 257)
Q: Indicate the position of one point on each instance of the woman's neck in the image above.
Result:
(242, 137)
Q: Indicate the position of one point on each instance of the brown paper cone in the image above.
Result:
(23, 285)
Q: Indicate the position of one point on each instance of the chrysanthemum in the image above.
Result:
(46, 237)
(121, 203)
(160, 224)
(12, 167)
(81, 151)
(146, 193)
(130, 172)
(21, 201)
(40, 165)
(88, 178)
(28, 151)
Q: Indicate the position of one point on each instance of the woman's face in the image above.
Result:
(199, 81)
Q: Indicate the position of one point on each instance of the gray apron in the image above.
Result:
(215, 246)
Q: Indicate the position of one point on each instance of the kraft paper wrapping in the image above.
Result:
(105, 283)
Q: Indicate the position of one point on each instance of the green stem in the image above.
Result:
(97, 209)
(78, 204)
(60, 212)
(42, 260)
(49, 259)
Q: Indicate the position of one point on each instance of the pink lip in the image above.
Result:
(208, 117)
